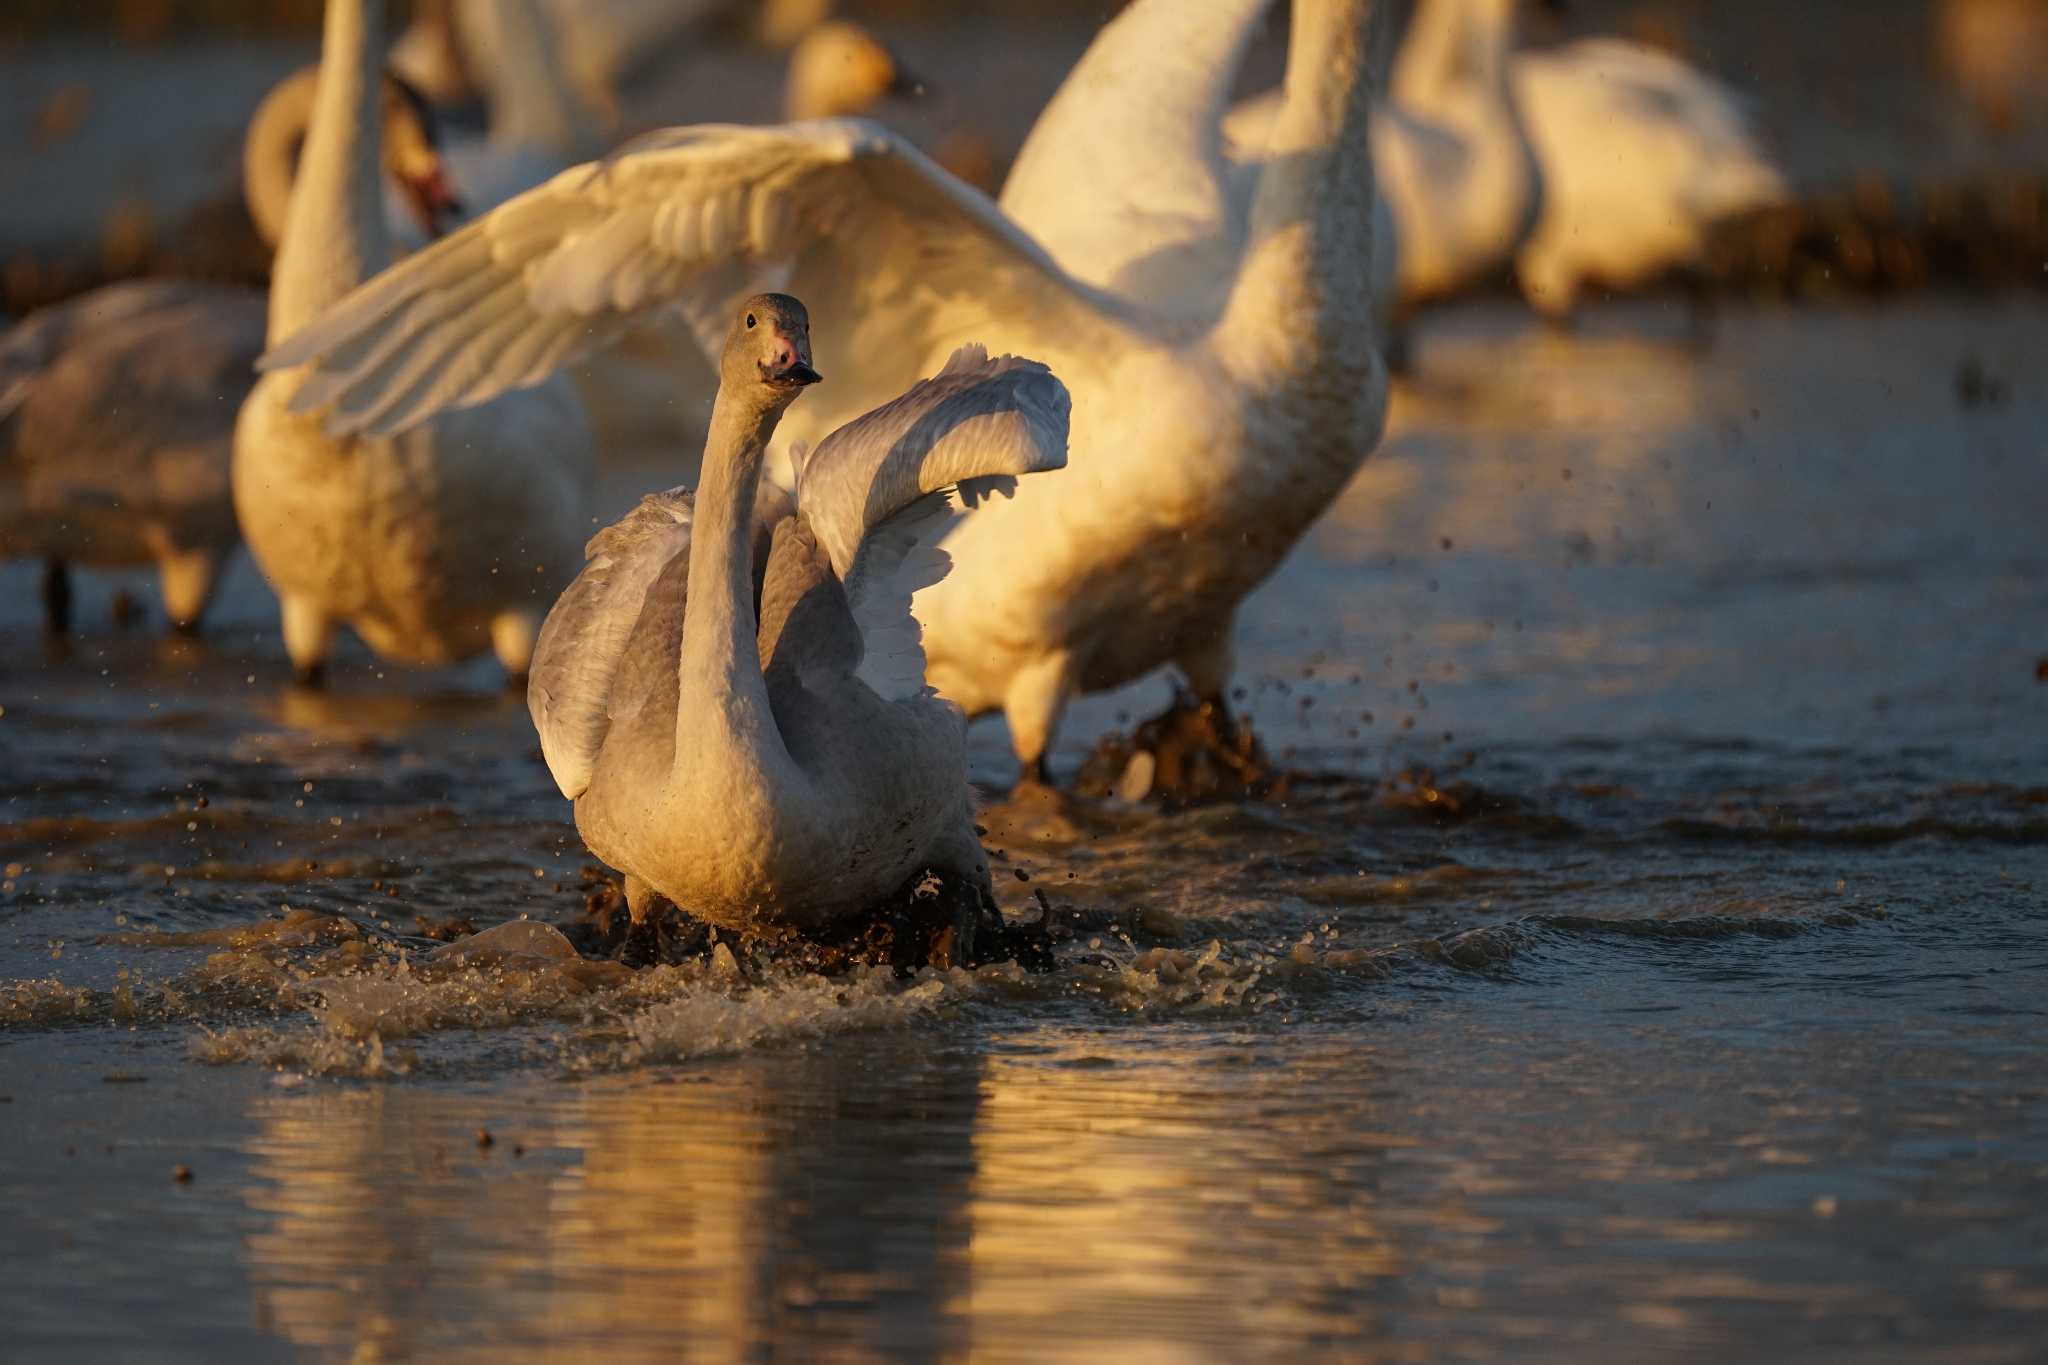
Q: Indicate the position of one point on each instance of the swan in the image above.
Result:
(419, 201)
(117, 408)
(1460, 186)
(434, 544)
(1200, 454)
(731, 692)
(1641, 154)
(841, 68)
(539, 121)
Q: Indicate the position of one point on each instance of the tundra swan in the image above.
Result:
(1641, 154)
(732, 691)
(1200, 454)
(433, 544)
(117, 408)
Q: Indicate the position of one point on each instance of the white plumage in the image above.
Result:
(1641, 154)
(1200, 454)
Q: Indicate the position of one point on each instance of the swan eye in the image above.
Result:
(750, 319)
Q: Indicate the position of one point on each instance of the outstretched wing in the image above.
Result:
(883, 490)
(872, 235)
(1123, 177)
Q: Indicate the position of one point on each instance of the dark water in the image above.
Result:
(1661, 974)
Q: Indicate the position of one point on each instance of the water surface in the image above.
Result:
(1658, 970)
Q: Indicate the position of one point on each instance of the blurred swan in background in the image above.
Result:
(1459, 187)
(117, 407)
(732, 691)
(840, 68)
(1641, 155)
(434, 544)
(1200, 455)
(418, 199)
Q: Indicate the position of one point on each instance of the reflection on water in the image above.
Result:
(1656, 969)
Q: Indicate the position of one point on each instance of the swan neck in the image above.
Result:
(1451, 43)
(532, 102)
(270, 152)
(334, 236)
(1300, 311)
(721, 661)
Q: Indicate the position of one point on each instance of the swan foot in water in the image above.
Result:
(185, 579)
(513, 634)
(56, 596)
(308, 638)
(1194, 751)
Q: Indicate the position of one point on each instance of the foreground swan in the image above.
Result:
(435, 544)
(1200, 454)
(732, 692)
(1641, 154)
(117, 408)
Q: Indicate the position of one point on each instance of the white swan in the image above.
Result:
(418, 201)
(539, 121)
(1641, 154)
(434, 544)
(840, 68)
(1200, 454)
(117, 408)
(732, 691)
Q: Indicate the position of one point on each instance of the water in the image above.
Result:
(1659, 970)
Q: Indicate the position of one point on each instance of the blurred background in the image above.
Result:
(1925, 119)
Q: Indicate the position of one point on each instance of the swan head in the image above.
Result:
(412, 157)
(840, 68)
(768, 350)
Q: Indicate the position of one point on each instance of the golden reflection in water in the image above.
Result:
(1120, 1194)
(856, 1203)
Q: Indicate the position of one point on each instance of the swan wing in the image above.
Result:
(864, 228)
(583, 640)
(881, 492)
(610, 643)
(1123, 178)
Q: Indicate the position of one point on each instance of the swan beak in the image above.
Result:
(433, 201)
(789, 359)
(800, 373)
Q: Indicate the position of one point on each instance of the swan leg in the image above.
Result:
(56, 596)
(308, 639)
(186, 579)
(642, 900)
(1032, 705)
(513, 634)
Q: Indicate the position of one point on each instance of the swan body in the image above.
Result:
(1200, 452)
(437, 543)
(117, 408)
(731, 691)
(1641, 153)
(116, 411)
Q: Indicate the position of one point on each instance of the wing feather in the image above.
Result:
(977, 421)
(863, 227)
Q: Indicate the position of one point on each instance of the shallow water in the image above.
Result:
(1659, 971)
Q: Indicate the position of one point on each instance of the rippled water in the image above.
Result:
(1659, 970)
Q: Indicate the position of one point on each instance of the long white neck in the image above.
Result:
(334, 236)
(532, 102)
(270, 152)
(1452, 43)
(721, 659)
(1300, 311)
